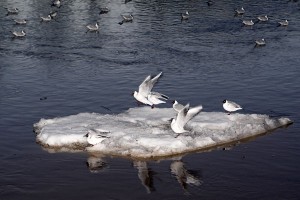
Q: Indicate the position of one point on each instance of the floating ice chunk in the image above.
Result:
(144, 132)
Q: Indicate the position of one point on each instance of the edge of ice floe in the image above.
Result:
(281, 122)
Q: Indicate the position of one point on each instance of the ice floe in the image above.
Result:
(144, 132)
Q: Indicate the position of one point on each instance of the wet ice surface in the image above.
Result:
(145, 132)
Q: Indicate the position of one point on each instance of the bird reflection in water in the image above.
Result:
(184, 177)
(145, 175)
(96, 164)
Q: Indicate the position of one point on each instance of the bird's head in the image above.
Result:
(224, 101)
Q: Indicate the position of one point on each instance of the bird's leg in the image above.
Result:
(152, 106)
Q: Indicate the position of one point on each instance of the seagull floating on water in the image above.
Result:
(210, 2)
(20, 21)
(47, 18)
(185, 16)
(231, 106)
(240, 11)
(145, 96)
(19, 33)
(127, 18)
(104, 10)
(96, 136)
(248, 22)
(263, 18)
(93, 27)
(177, 106)
(183, 117)
(283, 23)
(56, 3)
(12, 11)
(260, 42)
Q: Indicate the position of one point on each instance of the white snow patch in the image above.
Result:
(145, 132)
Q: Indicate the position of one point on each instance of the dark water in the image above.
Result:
(59, 70)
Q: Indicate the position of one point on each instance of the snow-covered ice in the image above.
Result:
(144, 132)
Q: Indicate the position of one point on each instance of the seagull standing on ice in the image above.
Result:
(231, 106)
(145, 96)
(96, 136)
(177, 106)
(183, 117)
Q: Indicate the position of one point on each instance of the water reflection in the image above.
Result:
(184, 176)
(96, 164)
(145, 174)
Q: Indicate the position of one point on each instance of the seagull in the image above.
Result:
(177, 106)
(145, 90)
(20, 21)
(127, 18)
(210, 2)
(12, 11)
(240, 11)
(263, 18)
(183, 117)
(183, 175)
(231, 106)
(93, 27)
(96, 136)
(19, 33)
(283, 23)
(104, 10)
(248, 22)
(185, 16)
(53, 14)
(157, 98)
(56, 3)
(260, 42)
(47, 18)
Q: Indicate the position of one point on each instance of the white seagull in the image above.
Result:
(12, 11)
(183, 117)
(104, 10)
(93, 27)
(185, 16)
(127, 18)
(19, 33)
(263, 18)
(145, 91)
(20, 21)
(283, 23)
(231, 106)
(96, 136)
(157, 98)
(240, 11)
(47, 18)
(177, 106)
(248, 22)
(260, 42)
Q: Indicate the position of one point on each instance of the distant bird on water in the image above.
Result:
(240, 11)
(47, 18)
(263, 18)
(126, 18)
(231, 106)
(260, 42)
(284, 23)
(56, 3)
(185, 16)
(104, 10)
(20, 21)
(248, 22)
(91, 27)
(12, 11)
(19, 33)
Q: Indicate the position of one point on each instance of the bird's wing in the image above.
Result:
(181, 116)
(145, 86)
(159, 95)
(155, 79)
(192, 113)
(235, 105)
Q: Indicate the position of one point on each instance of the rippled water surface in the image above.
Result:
(58, 69)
